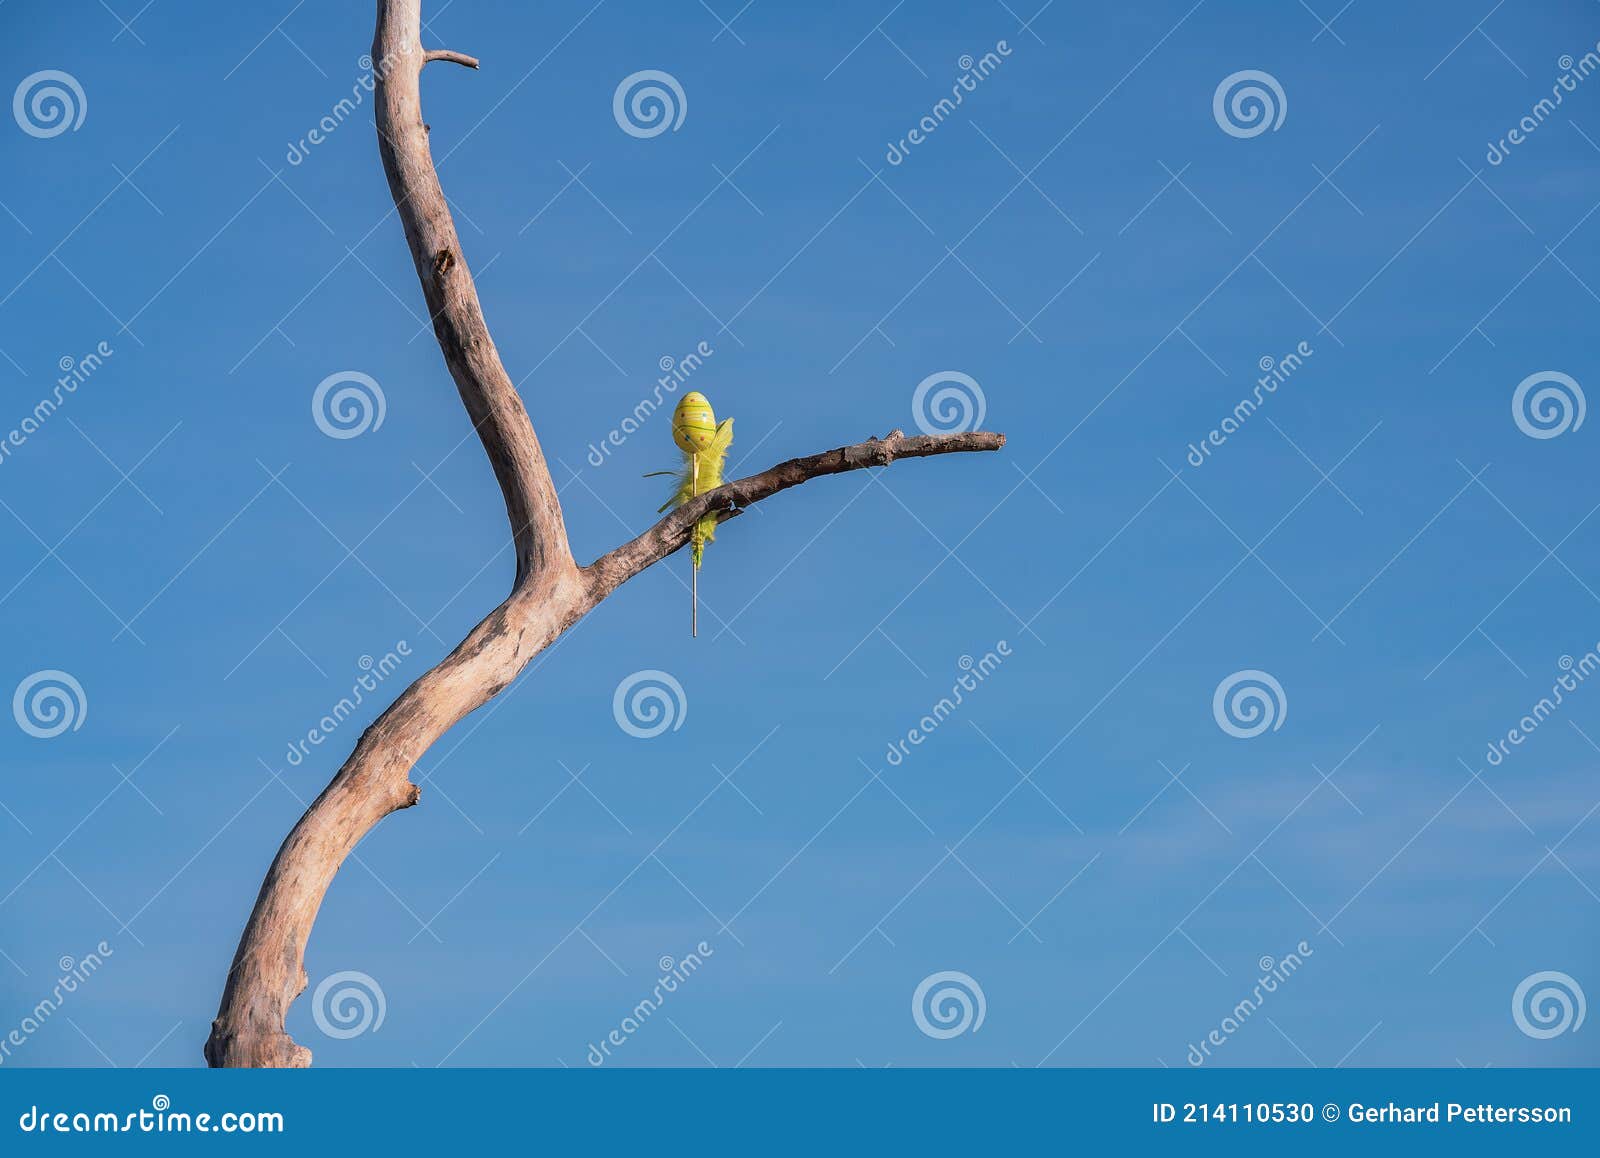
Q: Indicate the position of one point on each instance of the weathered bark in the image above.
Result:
(549, 594)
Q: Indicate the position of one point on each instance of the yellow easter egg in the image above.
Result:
(694, 424)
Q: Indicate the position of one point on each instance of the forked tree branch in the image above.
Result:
(549, 594)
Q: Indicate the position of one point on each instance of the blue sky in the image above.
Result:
(1085, 240)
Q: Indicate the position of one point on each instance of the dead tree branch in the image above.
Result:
(460, 58)
(549, 594)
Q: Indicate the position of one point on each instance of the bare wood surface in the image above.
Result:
(549, 594)
(460, 58)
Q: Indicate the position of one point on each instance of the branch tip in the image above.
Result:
(460, 58)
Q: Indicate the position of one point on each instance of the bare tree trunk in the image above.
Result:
(550, 592)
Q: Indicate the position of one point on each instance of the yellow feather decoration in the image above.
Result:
(704, 442)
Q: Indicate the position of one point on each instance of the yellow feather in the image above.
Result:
(704, 443)
(702, 472)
